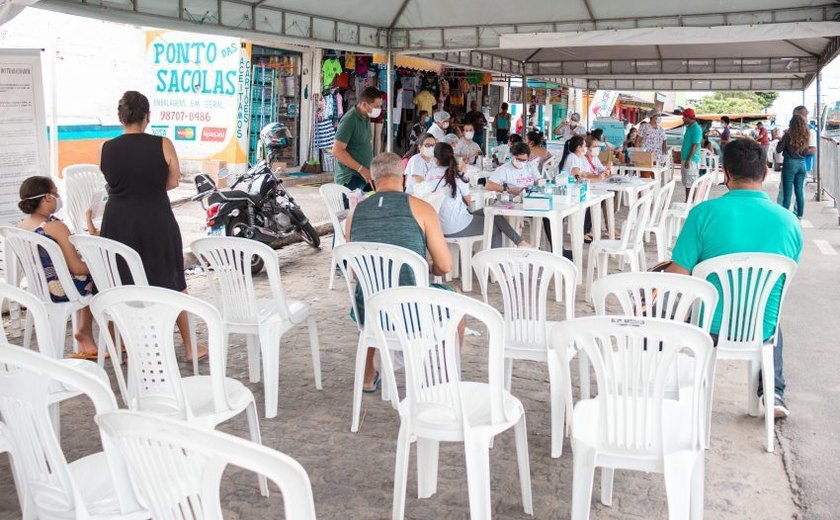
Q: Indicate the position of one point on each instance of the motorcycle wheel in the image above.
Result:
(309, 235)
(257, 263)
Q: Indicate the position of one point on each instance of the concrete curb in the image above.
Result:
(323, 229)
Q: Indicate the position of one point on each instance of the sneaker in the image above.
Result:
(780, 410)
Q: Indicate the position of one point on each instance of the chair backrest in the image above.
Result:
(633, 359)
(227, 265)
(103, 256)
(746, 282)
(333, 195)
(25, 381)
(26, 246)
(377, 267)
(658, 295)
(549, 167)
(700, 190)
(145, 318)
(633, 229)
(661, 203)
(524, 277)
(81, 182)
(177, 467)
(40, 318)
(426, 323)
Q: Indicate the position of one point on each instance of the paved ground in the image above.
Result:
(352, 474)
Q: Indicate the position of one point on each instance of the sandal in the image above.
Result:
(587, 238)
(377, 383)
(90, 355)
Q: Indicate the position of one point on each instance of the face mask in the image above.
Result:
(518, 164)
(375, 112)
(58, 204)
(469, 135)
(444, 125)
(594, 151)
(427, 152)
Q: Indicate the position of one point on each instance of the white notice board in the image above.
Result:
(23, 128)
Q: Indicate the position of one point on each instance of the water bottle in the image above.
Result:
(505, 196)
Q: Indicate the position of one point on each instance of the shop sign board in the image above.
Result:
(23, 128)
(603, 103)
(198, 89)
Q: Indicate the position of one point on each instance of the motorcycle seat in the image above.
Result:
(224, 196)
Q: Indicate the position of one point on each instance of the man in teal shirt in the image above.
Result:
(744, 220)
(353, 148)
(690, 150)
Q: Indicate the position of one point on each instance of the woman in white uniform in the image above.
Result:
(516, 175)
(456, 220)
(420, 161)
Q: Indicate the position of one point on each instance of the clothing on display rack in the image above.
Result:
(425, 101)
(350, 61)
(329, 70)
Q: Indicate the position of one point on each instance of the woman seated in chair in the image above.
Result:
(39, 199)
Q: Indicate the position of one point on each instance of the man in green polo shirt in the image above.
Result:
(353, 148)
(690, 149)
(744, 220)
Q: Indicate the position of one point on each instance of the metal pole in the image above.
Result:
(819, 131)
(525, 100)
(588, 104)
(389, 90)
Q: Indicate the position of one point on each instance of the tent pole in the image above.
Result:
(524, 105)
(588, 105)
(818, 195)
(389, 116)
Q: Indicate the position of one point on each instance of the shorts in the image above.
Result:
(690, 174)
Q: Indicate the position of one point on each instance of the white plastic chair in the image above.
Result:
(376, 267)
(25, 247)
(630, 424)
(549, 167)
(630, 246)
(81, 182)
(177, 468)
(333, 195)
(145, 317)
(463, 267)
(262, 320)
(658, 223)
(93, 487)
(746, 282)
(102, 256)
(439, 406)
(678, 212)
(524, 276)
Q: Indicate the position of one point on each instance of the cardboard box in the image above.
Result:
(537, 202)
(212, 168)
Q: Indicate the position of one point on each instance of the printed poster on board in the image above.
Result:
(199, 92)
(23, 128)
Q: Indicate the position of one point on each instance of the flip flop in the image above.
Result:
(377, 383)
(85, 355)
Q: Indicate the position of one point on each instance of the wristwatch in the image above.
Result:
(504, 186)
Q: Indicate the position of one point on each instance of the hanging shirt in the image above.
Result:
(362, 65)
(424, 101)
(329, 70)
(350, 61)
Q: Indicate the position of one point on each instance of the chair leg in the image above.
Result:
(466, 267)
(254, 431)
(583, 474)
(710, 390)
(583, 375)
(253, 347)
(508, 373)
(558, 408)
(523, 460)
(401, 470)
(358, 382)
(428, 454)
(607, 475)
(679, 477)
(698, 483)
(753, 368)
(74, 320)
(270, 347)
(477, 455)
(55, 419)
(27, 331)
(316, 351)
(590, 271)
(769, 381)
(193, 342)
(333, 265)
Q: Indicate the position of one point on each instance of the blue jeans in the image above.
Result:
(777, 365)
(793, 182)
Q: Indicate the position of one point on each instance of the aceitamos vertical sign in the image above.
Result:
(23, 128)
(197, 87)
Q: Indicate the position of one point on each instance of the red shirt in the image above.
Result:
(763, 137)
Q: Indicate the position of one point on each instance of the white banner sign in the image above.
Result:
(23, 128)
(603, 103)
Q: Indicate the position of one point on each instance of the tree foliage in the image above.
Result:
(724, 102)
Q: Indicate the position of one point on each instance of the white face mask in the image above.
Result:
(469, 135)
(375, 112)
(444, 125)
(518, 164)
(427, 152)
(58, 204)
(594, 151)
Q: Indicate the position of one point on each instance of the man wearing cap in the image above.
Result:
(690, 153)
(441, 125)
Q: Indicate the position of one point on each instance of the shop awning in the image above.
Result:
(609, 44)
(410, 62)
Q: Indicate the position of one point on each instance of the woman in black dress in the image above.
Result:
(140, 168)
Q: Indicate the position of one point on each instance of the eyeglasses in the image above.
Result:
(429, 145)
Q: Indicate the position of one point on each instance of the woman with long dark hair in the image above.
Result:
(794, 147)
(456, 220)
(573, 160)
(535, 141)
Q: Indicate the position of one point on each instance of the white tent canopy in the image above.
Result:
(612, 44)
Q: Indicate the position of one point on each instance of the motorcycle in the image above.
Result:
(264, 211)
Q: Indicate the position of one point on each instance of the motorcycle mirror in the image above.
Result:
(224, 172)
